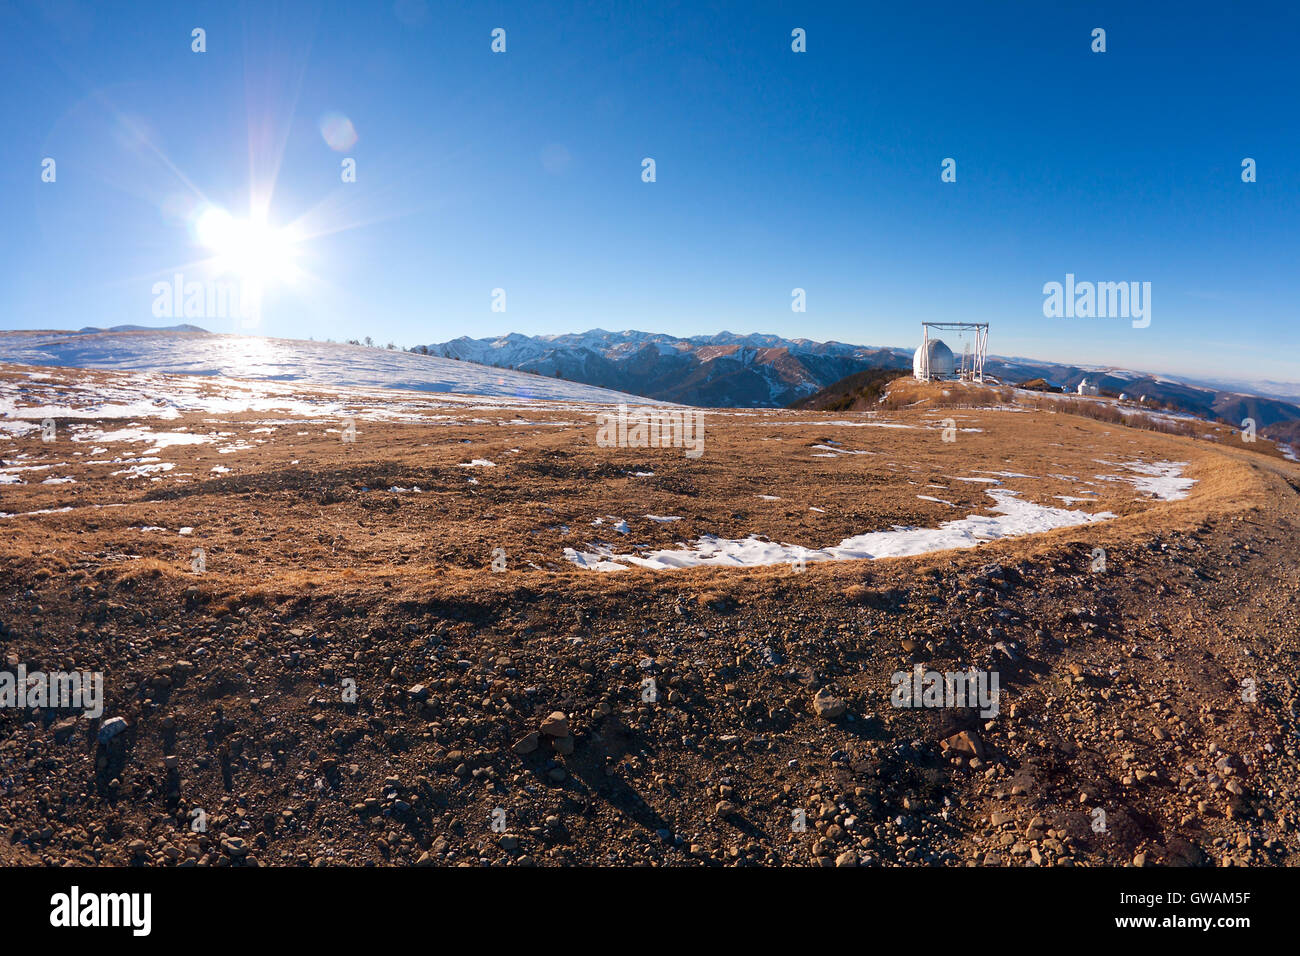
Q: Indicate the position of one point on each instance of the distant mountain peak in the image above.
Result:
(759, 369)
(94, 330)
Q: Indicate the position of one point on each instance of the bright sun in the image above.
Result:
(249, 248)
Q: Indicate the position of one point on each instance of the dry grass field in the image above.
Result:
(336, 623)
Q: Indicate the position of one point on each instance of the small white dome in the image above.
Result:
(942, 362)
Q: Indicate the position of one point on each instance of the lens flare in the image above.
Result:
(338, 131)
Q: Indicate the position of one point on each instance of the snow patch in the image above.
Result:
(1013, 518)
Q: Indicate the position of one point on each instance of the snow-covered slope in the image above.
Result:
(722, 370)
(286, 360)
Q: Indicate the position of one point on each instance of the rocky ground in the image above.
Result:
(382, 697)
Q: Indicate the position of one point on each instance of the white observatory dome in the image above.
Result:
(942, 362)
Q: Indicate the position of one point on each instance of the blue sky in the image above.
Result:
(775, 169)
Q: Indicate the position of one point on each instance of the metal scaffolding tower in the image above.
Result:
(972, 359)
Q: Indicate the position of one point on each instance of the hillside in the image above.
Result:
(860, 391)
(1285, 433)
(390, 638)
(199, 353)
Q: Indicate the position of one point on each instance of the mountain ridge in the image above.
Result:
(727, 369)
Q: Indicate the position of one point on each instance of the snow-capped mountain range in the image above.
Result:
(730, 370)
(722, 370)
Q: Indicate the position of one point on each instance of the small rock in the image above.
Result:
(828, 706)
(964, 742)
(111, 728)
(556, 725)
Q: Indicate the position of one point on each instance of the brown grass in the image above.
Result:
(908, 392)
(269, 536)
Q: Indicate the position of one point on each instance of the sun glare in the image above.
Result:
(251, 249)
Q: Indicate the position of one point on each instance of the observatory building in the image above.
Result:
(934, 360)
(939, 363)
(1086, 388)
